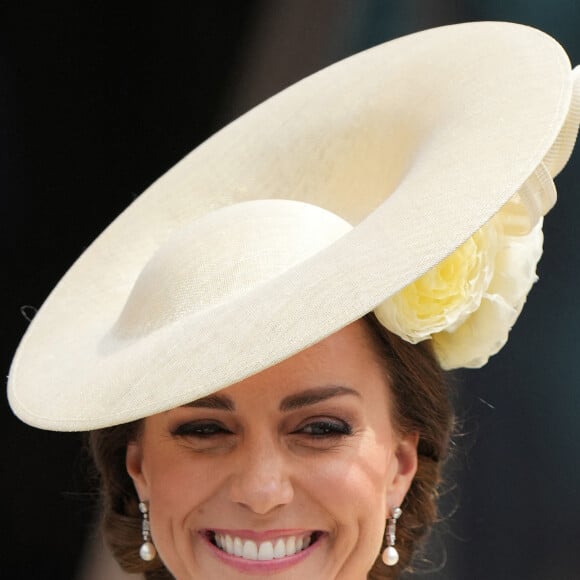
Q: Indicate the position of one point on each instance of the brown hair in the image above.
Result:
(421, 404)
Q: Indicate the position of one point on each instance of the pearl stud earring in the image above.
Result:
(390, 555)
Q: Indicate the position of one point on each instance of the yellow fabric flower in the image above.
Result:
(469, 302)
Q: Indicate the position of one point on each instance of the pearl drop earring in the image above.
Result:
(390, 555)
(147, 550)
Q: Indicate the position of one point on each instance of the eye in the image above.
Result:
(201, 429)
(325, 428)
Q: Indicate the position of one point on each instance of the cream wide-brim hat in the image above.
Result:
(399, 154)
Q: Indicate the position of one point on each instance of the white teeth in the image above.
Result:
(238, 547)
(266, 551)
(280, 548)
(250, 550)
(270, 550)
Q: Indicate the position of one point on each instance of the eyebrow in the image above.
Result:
(315, 395)
(289, 403)
(219, 402)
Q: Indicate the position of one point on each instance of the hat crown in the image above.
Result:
(222, 255)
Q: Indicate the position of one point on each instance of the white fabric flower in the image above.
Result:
(470, 301)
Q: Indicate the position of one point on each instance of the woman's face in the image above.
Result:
(303, 458)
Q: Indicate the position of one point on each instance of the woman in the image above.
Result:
(255, 343)
(276, 456)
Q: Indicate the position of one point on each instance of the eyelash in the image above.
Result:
(202, 430)
(327, 428)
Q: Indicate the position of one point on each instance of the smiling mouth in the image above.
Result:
(269, 550)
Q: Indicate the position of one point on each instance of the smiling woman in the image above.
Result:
(361, 414)
(256, 344)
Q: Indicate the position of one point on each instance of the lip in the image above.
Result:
(263, 536)
(261, 566)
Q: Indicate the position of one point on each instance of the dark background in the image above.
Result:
(97, 101)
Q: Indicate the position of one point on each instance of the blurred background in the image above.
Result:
(96, 102)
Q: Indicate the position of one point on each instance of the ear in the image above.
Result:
(405, 468)
(134, 465)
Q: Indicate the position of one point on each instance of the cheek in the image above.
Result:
(353, 486)
(354, 492)
(179, 486)
(367, 471)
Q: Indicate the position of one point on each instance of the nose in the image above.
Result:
(261, 481)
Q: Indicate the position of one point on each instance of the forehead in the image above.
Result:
(346, 359)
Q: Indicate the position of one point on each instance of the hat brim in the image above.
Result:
(417, 143)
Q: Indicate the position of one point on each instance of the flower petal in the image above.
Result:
(446, 295)
(482, 335)
(516, 263)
